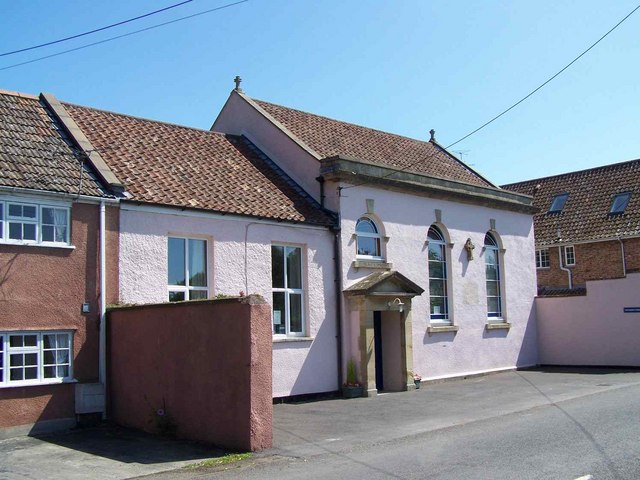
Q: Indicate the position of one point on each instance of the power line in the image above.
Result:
(96, 30)
(123, 35)
(512, 106)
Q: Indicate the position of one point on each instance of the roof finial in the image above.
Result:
(432, 132)
(237, 81)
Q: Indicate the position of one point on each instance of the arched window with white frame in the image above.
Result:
(368, 239)
(438, 288)
(493, 277)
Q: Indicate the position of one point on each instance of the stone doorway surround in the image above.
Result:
(382, 291)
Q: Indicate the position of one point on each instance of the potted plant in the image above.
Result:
(352, 388)
(417, 379)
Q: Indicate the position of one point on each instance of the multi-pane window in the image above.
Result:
(542, 258)
(187, 268)
(438, 295)
(29, 223)
(368, 239)
(288, 293)
(619, 203)
(34, 357)
(557, 204)
(569, 255)
(493, 280)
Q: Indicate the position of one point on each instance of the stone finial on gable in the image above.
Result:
(432, 132)
(237, 81)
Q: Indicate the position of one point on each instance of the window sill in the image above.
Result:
(498, 326)
(40, 245)
(292, 339)
(432, 329)
(36, 384)
(372, 264)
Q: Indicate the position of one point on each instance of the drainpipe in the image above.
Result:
(103, 310)
(624, 262)
(568, 270)
(338, 272)
(320, 180)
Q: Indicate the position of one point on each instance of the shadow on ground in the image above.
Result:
(131, 446)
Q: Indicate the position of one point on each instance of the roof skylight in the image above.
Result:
(619, 203)
(558, 203)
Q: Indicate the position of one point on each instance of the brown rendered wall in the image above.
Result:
(594, 261)
(44, 288)
(199, 370)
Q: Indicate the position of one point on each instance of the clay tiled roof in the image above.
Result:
(172, 165)
(328, 138)
(586, 215)
(35, 153)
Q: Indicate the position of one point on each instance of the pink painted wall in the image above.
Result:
(406, 220)
(238, 117)
(199, 369)
(592, 330)
(43, 288)
(299, 365)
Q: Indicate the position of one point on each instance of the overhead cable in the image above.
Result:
(512, 106)
(123, 35)
(95, 30)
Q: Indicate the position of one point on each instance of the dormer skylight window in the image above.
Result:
(619, 203)
(558, 203)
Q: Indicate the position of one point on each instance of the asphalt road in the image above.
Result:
(596, 435)
(532, 424)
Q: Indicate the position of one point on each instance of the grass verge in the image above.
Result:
(216, 462)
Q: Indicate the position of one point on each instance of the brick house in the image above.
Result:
(58, 225)
(588, 225)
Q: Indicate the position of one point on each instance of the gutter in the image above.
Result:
(61, 195)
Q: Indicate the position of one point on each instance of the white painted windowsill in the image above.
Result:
(292, 339)
(28, 383)
(40, 245)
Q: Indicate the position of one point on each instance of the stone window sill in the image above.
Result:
(372, 264)
(292, 339)
(431, 329)
(498, 326)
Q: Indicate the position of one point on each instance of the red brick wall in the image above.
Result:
(594, 261)
(205, 365)
(44, 288)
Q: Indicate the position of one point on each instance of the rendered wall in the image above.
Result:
(238, 117)
(43, 288)
(197, 370)
(592, 329)
(299, 365)
(406, 220)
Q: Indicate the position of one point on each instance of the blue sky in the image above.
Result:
(400, 66)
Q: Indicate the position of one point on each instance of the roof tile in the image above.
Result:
(328, 138)
(173, 165)
(35, 153)
(585, 216)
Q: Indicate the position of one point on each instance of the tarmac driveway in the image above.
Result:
(308, 428)
(311, 428)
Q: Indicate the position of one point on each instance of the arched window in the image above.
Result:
(492, 268)
(368, 239)
(438, 291)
